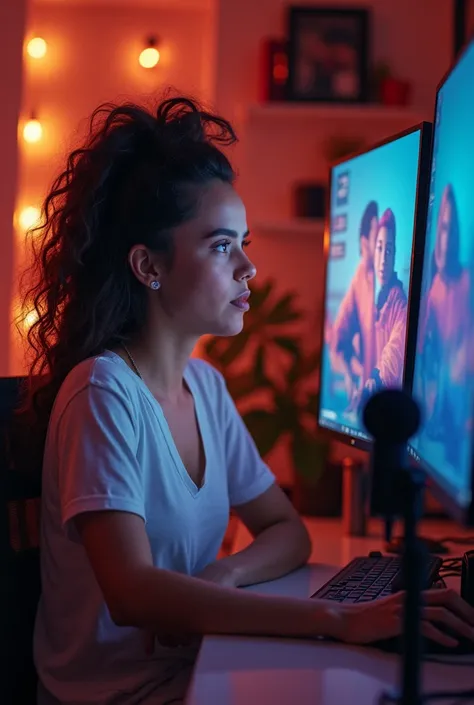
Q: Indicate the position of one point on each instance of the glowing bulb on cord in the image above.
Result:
(150, 56)
(30, 319)
(37, 48)
(29, 217)
(32, 131)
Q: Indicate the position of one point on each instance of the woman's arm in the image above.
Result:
(140, 595)
(281, 543)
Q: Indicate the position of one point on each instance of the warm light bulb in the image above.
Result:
(30, 319)
(149, 57)
(37, 48)
(29, 217)
(32, 131)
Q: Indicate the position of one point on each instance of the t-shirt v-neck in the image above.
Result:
(193, 488)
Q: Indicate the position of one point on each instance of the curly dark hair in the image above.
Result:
(135, 179)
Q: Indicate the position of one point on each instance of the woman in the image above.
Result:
(444, 335)
(390, 311)
(142, 251)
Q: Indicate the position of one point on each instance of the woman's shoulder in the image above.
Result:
(106, 371)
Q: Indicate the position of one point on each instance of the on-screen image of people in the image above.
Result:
(444, 333)
(390, 313)
(352, 345)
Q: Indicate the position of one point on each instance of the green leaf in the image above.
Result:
(235, 347)
(284, 311)
(264, 428)
(241, 385)
(312, 403)
(288, 344)
(287, 411)
(260, 294)
(210, 346)
(309, 454)
(259, 365)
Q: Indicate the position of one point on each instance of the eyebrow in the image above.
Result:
(226, 232)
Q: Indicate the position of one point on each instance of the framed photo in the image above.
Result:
(328, 54)
(463, 24)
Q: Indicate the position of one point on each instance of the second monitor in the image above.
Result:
(373, 246)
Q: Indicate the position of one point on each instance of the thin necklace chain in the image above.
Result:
(133, 363)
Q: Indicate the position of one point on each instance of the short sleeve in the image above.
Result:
(96, 445)
(248, 475)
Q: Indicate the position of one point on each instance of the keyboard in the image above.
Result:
(367, 578)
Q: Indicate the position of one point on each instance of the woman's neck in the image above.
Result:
(160, 360)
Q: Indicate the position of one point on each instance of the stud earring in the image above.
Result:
(155, 285)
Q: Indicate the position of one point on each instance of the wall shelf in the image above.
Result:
(291, 226)
(329, 111)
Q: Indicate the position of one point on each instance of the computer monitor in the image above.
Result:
(375, 227)
(444, 367)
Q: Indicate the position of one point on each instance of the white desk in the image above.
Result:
(264, 671)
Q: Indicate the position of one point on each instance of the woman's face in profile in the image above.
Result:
(384, 256)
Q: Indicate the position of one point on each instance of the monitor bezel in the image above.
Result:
(416, 264)
(462, 515)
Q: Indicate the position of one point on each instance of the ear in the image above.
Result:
(143, 265)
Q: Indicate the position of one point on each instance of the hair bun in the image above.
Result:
(184, 120)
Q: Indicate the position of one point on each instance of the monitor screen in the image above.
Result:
(373, 202)
(444, 365)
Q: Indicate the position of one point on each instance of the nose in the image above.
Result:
(246, 271)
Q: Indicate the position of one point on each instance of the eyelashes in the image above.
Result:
(227, 244)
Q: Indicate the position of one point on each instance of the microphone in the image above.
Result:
(391, 417)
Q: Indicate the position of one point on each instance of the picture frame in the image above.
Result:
(463, 24)
(328, 54)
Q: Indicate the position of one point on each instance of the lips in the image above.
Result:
(241, 301)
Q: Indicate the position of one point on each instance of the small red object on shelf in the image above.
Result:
(395, 92)
(274, 70)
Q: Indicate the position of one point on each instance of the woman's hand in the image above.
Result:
(363, 623)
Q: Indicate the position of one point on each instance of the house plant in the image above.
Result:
(272, 376)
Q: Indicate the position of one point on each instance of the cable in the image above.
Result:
(467, 541)
(449, 661)
(445, 694)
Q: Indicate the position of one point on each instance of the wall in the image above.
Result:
(12, 27)
(276, 151)
(92, 58)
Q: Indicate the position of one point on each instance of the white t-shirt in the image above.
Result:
(109, 447)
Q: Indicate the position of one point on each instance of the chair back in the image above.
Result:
(20, 491)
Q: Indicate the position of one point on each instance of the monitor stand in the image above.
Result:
(430, 545)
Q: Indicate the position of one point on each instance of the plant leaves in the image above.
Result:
(241, 385)
(259, 365)
(309, 454)
(210, 347)
(235, 347)
(312, 403)
(288, 344)
(284, 311)
(264, 428)
(287, 411)
(261, 293)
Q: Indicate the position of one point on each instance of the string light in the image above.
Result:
(150, 56)
(37, 48)
(29, 217)
(32, 131)
(30, 319)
